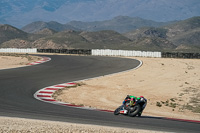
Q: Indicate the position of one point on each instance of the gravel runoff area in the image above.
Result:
(21, 125)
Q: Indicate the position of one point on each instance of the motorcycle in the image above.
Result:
(132, 111)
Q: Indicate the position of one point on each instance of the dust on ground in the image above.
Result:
(172, 87)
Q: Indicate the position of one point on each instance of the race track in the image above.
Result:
(18, 85)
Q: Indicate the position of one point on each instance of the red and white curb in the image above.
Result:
(46, 94)
(44, 59)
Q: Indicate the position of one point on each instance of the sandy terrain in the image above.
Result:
(20, 125)
(172, 84)
(8, 60)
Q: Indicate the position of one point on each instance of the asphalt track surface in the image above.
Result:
(18, 85)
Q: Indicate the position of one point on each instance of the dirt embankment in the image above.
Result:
(172, 87)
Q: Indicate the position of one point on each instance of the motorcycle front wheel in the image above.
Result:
(117, 111)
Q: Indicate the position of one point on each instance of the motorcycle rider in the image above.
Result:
(130, 101)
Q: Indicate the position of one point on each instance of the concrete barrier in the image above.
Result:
(127, 53)
(16, 50)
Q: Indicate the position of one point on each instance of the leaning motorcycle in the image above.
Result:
(134, 110)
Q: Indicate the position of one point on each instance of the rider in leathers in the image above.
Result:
(130, 101)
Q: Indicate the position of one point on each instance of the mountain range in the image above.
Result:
(175, 36)
(22, 12)
(120, 24)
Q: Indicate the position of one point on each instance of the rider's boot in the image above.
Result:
(125, 111)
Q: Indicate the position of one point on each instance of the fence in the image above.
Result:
(108, 52)
(181, 55)
(66, 51)
(105, 52)
(15, 50)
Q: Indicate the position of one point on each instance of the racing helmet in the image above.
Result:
(141, 98)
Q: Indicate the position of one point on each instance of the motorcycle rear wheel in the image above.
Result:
(134, 110)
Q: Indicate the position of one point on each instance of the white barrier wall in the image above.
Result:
(109, 52)
(97, 52)
(16, 50)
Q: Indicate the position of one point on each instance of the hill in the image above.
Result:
(119, 24)
(82, 40)
(180, 36)
(185, 32)
(8, 32)
(146, 32)
(71, 39)
(46, 31)
(39, 25)
(184, 35)
(105, 39)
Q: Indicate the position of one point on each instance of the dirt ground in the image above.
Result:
(172, 87)
(159, 80)
(20, 125)
(10, 60)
